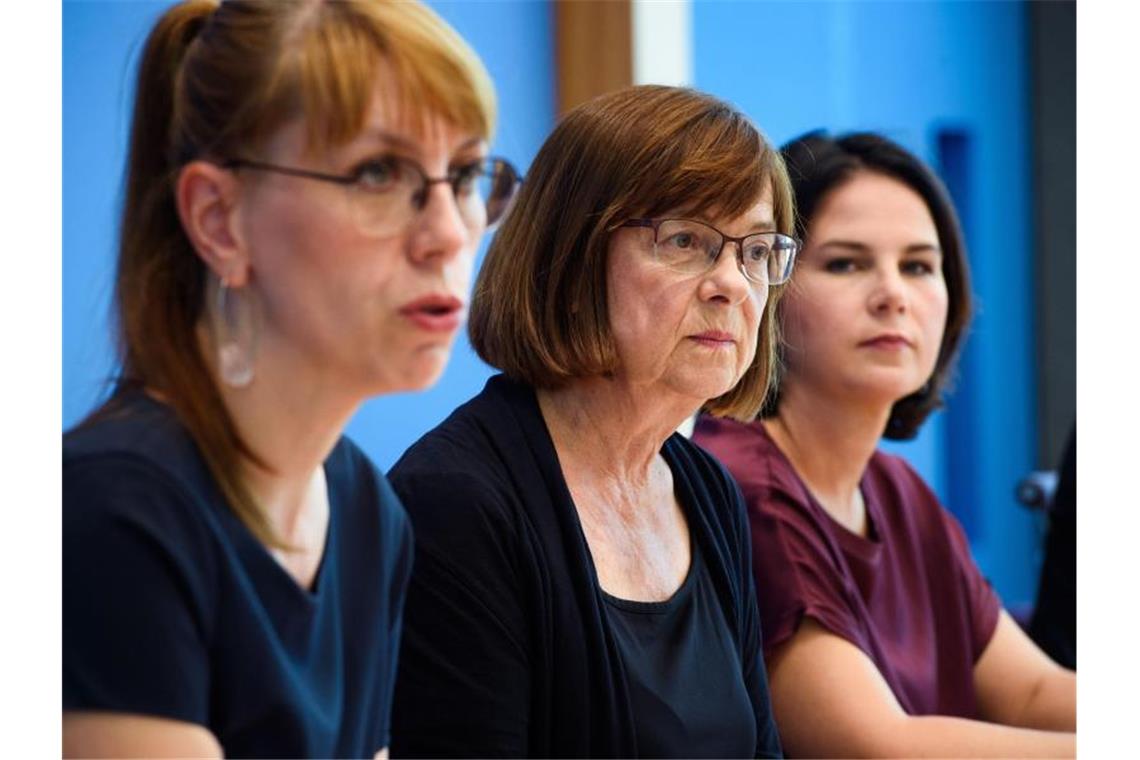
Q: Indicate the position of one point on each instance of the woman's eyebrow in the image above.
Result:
(922, 248)
(411, 145)
(853, 245)
(766, 225)
(763, 225)
(393, 139)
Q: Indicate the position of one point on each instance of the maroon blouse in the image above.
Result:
(908, 595)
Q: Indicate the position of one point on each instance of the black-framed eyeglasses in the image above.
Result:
(387, 193)
(691, 247)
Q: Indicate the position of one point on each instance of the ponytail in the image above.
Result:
(218, 80)
(161, 280)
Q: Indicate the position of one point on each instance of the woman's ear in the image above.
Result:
(207, 199)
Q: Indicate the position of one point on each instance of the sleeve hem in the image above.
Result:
(790, 623)
(140, 712)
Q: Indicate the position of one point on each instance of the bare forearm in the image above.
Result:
(939, 736)
(106, 734)
(1053, 705)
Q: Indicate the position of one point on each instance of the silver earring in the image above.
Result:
(235, 335)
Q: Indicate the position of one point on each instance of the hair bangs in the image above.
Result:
(344, 49)
(718, 167)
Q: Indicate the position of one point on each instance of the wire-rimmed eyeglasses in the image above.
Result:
(387, 193)
(692, 247)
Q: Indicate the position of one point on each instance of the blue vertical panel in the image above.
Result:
(1002, 378)
(908, 70)
(955, 149)
(101, 46)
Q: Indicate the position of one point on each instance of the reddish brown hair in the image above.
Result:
(217, 81)
(539, 311)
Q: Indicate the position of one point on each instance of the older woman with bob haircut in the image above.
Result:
(582, 585)
(307, 184)
(881, 635)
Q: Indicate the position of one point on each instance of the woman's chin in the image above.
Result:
(706, 386)
(417, 374)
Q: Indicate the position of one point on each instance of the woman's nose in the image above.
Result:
(441, 232)
(889, 293)
(725, 279)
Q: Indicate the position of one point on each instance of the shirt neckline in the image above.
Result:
(866, 546)
(257, 551)
(665, 606)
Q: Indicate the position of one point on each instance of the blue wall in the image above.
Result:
(915, 70)
(921, 71)
(101, 44)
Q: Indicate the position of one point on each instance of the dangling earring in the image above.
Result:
(235, 334)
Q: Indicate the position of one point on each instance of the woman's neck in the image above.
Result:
(291, 418)
(608, 440)
(604, 427)
(829, 442)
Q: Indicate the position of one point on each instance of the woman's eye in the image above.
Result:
(840, 266)
(465, 177)
(379, 174)
(917, 268)
(681, 240)
(757, 251)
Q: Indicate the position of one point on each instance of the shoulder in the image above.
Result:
(473, 473)
(362, 488)
(749, 453)
(787, 530)
(137, 520)
(136, 469)
(477, 441)
(912, 511)
(899, 489)
(897, 472)
(135, 441)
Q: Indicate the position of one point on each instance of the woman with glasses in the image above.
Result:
(306, 187)
(582, 584)
(881, 635)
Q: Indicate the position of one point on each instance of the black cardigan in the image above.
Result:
(506, 649)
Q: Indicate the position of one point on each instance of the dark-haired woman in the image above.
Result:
(882, 637)
(303, 205)
(582, 583)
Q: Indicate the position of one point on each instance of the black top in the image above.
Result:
(1054, 623)
(684, 673)
(508, 646)
(171, 607)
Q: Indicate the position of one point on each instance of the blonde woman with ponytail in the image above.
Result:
(307, 184)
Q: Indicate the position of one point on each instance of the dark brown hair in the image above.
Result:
(817, 165)
(539, 311)
(216, 80)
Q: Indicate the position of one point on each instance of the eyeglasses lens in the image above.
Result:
(498, 184)
(692, 247)
(482, 194)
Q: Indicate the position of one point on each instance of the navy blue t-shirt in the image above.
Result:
(171, 607)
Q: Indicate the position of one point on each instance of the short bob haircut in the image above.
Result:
(817, 165)
(215, 81)
(539, 311)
